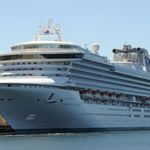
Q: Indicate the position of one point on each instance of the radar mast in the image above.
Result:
(48, 32)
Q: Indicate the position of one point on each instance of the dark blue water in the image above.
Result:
(131, 140)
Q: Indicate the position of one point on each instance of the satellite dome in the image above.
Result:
(95, 48)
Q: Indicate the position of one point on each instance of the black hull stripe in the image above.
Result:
(72, 130)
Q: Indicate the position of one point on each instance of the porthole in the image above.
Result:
(38, 100)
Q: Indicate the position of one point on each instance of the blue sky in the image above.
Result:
(111, 23)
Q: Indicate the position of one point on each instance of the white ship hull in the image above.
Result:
(30, 108)
(57, 86)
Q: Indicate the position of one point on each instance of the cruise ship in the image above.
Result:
(51, 85)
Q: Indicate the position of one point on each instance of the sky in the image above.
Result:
(111, 23)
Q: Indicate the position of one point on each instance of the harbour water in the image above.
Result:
(129, 140)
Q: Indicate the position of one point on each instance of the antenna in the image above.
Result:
(58, 32)
(49, 23)
(86, 47)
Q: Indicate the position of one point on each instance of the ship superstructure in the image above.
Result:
(56, 86)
